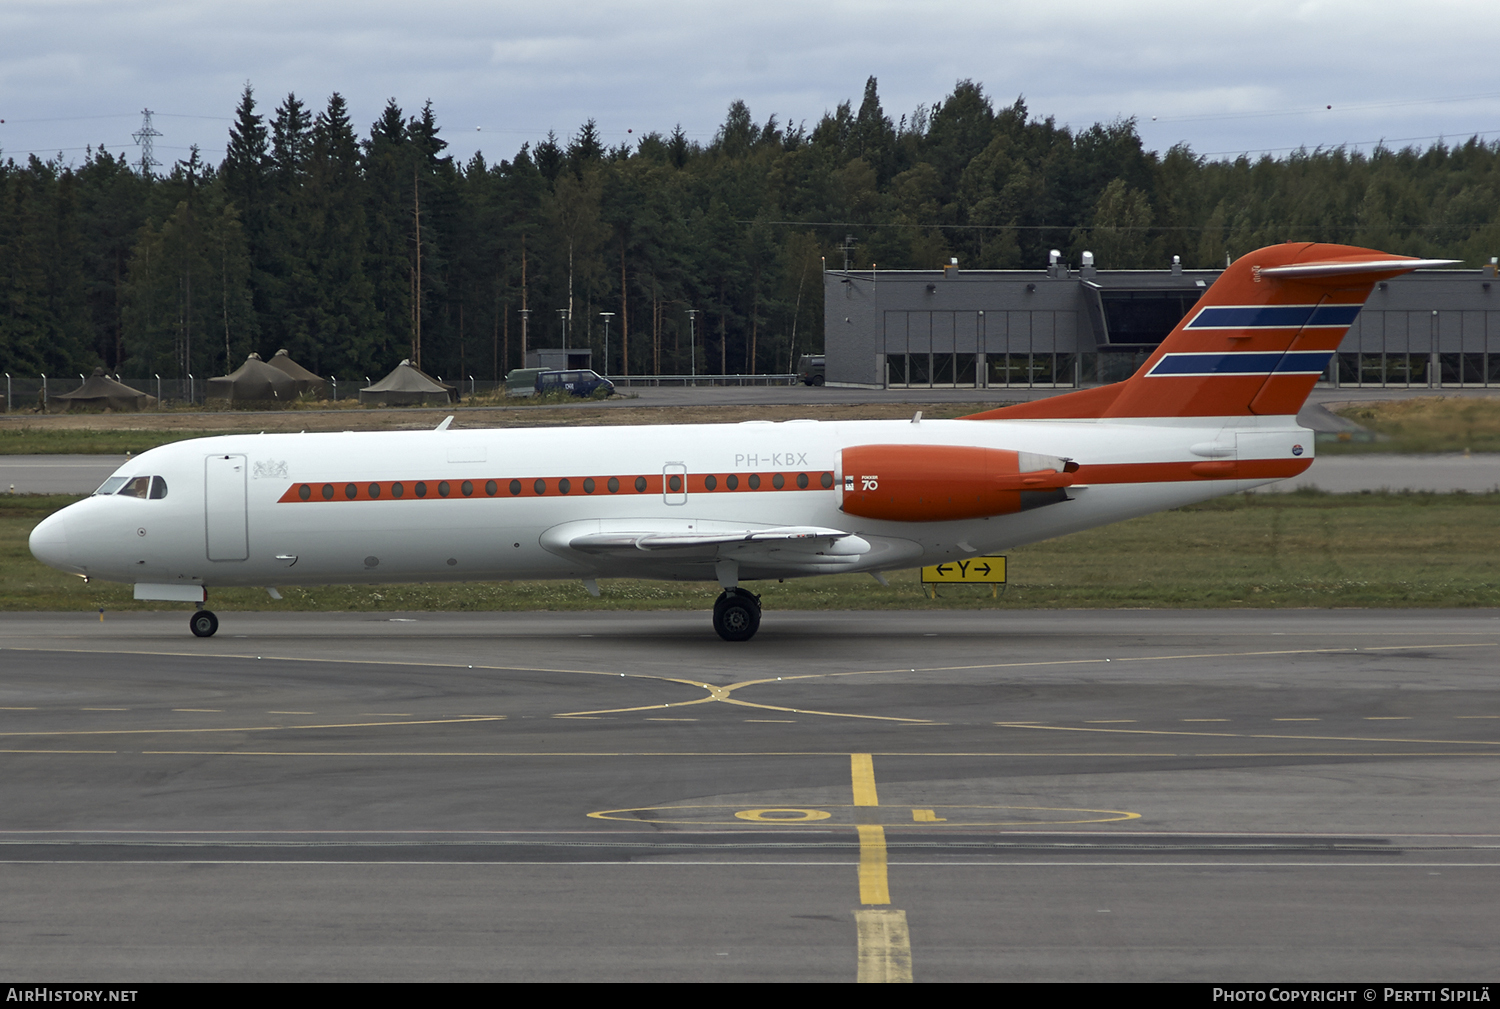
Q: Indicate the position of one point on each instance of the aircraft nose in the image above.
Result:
(49, 543)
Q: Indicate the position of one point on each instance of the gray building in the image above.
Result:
(1064, 328)
(560, 359)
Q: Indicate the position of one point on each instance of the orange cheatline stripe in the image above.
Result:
(334, 491)
(1185, 472)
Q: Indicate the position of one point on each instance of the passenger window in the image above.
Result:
(158, 488)
(137, 487)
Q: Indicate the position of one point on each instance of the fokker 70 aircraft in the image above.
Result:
(1212, 411)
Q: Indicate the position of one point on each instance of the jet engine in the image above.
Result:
(938, 483)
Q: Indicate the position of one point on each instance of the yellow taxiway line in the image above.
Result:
(884, 941)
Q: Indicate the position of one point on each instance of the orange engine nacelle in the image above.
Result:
(938, 483)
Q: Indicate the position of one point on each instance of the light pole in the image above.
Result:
(562, 318)
(606, 316)
(525, 318)
(692, 315)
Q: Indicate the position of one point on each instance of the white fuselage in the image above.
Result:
(230, 513)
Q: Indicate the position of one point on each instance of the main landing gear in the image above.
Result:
(203, 624)
(736, 615)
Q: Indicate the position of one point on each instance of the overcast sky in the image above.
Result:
(1252, 76)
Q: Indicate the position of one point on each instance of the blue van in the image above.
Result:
(578, 383)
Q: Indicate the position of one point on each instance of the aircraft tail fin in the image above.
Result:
(1254, 344)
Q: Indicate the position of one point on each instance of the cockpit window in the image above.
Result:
(152, 487)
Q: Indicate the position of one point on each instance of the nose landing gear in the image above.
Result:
(736, 615)
(203, 624)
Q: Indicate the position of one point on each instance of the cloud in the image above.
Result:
(1209, 74)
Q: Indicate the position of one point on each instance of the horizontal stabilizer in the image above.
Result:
(1352, 267)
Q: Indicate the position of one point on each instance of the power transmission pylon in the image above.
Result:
(846, 248)
(144, 136)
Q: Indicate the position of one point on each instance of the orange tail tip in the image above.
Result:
(1254, 344)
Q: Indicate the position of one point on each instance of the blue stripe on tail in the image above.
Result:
(1243, 363)
(1273, 316)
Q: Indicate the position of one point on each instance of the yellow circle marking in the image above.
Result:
(779, 815)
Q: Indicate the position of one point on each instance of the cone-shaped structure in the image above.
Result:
(256, 382)
(100, 392)
(306, 383)
(407, 386)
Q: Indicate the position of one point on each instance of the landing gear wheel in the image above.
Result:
(204, 624)
(736, 615)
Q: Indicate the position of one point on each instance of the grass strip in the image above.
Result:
(117, 434)
(1422, 424)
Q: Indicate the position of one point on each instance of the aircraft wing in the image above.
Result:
(691, 548)
(723, 542)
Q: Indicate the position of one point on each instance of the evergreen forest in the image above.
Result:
(353, 252)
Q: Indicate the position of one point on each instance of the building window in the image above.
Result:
(918, 369)
(942, 369)
(963, 370)
(895, 369)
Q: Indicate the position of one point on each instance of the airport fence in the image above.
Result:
(36, 393)
(701, 380)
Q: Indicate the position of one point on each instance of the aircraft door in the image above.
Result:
(674, 483)
(224, 508)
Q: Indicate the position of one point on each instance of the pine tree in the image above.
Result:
(246, 173)
(585, 150)
(342, 320)
(387, 168)
(112, 207)
(189, 308)
(874, 135)
(290, 289)
(44, 323)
